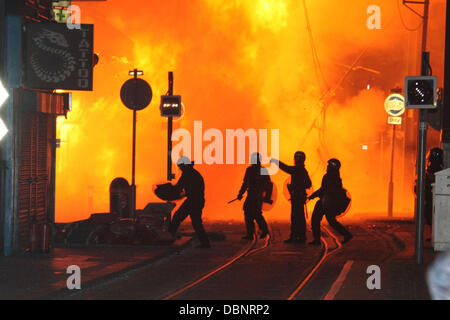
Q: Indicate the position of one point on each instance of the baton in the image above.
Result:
(233, 200)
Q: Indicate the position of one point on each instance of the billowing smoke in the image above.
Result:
(312, 69)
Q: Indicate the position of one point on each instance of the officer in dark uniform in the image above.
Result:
(330, 188)
(192, 186)
(435, 164)
(300, 181)
(256, 183)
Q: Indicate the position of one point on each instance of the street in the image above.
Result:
(274, 271)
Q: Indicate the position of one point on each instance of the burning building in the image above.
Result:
(312, 69)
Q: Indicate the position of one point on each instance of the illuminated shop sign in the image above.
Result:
(57, 57)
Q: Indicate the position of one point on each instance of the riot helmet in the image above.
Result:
(184, 162)
(436, 155)
(255, 158)
(334, 164)
(299, 158)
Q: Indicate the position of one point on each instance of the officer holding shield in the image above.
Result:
(192, 186)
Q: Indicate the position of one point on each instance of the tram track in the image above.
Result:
(250, 256)
(326, 253)
(248, 250)
(252, 248)
(257, 269)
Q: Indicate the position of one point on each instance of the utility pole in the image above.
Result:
(425, 25)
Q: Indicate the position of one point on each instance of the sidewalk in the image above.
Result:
(43, 276)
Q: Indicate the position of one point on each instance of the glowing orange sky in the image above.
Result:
(241, 64)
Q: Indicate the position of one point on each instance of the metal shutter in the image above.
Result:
(34, 172)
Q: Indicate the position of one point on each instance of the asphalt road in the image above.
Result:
(275, 271)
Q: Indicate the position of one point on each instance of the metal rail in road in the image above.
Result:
(245, 252)
(252, 249)
(325, 255)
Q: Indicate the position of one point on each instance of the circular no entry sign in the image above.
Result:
(136, 94)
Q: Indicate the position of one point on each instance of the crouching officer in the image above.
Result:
(257, 184)
(300, 181)
(192, 186)
(330, 194)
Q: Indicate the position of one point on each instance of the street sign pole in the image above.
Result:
(133, 169)
(136, 94)
(170, 176)
(395, 107)
(422, 139)
(422, 144)
(133, 166)
(391, 179)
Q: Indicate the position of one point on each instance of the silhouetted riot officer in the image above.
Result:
(435, 164)
(329, 193)
(300, 181)
(257, 184)
(192, 185)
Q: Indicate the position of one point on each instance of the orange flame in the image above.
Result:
(245, 64)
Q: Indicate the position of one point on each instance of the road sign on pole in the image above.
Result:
(421, 92)
(170, 175)
(170, 106)
(421, 150)
(395, 120)
(136, 94)
(395, 105)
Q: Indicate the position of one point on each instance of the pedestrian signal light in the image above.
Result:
(421, 92)
(170, 106)
(138, 73)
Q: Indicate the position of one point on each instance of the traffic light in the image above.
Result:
(170, 106)
(421, 92)
(3, 96)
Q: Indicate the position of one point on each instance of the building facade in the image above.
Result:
(28, 150)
